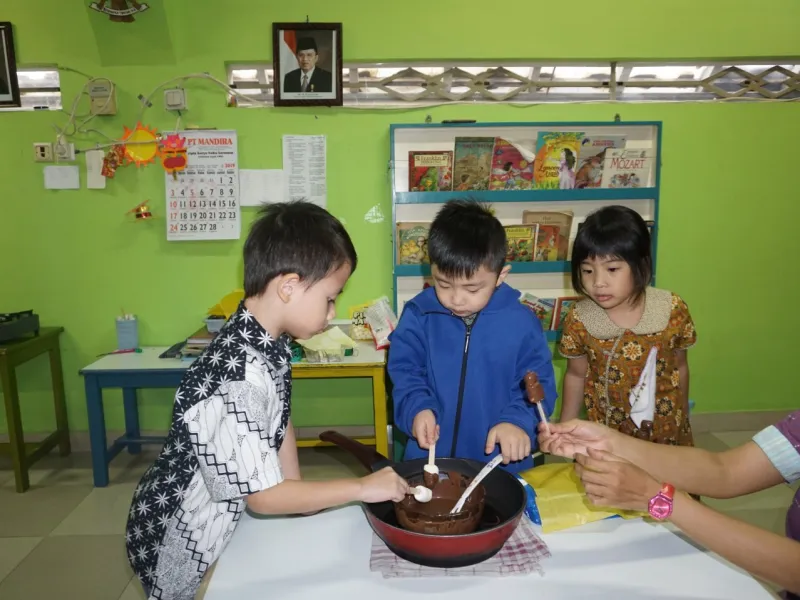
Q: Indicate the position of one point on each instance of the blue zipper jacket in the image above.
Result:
(471, 378)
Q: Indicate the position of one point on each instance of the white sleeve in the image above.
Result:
(780, 452)
(232, 435)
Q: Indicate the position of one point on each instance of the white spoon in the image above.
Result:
(431, 467)
(478, 478)
(421, 493)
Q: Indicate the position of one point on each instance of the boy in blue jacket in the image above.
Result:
(462, 348)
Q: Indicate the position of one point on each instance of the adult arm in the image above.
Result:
(765, 554)
(735, 472)
(609, 481)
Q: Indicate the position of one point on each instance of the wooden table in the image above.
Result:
(13, 354)
(146, 370)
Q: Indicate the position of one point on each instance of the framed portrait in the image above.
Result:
(307, 64)
(9, 89)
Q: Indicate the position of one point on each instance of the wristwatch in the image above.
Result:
(660, 505)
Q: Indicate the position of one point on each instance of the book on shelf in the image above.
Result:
(543, 308)
(472, 163)
(521, 242)
(556, 159)
(591, 159)
(560, 219)
(563, 304)
(430, 170)
(547, 243)
(627, 167)
(512, 165)
(412, 243)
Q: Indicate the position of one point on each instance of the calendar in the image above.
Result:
(203, 199)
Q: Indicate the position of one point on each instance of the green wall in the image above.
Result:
(727, 239)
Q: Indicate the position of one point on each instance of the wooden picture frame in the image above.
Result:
(9, 86)
(319, 47)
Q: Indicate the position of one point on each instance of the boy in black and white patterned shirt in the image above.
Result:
(231, 443)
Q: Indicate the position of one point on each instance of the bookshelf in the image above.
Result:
(542, 279)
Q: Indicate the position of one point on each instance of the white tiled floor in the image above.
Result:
(64, 539)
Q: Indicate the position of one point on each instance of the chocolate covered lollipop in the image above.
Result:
(536, 395)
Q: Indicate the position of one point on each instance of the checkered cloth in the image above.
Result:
(520, 555)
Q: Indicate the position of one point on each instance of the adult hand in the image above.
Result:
(613, 482)
(574, 437)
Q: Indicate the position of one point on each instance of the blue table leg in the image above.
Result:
(97, 430)
(131, 418)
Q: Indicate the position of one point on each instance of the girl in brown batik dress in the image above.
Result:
(608, 335)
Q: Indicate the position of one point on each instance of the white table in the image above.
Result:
(327, 557)
(145, 369)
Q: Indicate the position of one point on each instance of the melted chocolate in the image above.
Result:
(534, 388)
(434, 516)
(429, 480)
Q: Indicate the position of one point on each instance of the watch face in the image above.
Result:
(660, 507)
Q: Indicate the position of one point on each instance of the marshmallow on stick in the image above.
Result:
(536, 395)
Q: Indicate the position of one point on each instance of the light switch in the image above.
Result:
(175, 99)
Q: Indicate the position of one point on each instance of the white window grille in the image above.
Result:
(421, 84)
(39, 87)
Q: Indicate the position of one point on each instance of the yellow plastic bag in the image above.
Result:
(561, 499)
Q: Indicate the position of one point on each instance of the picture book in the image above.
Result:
(628, 168)
(521, 242)
(591, 158)
(562, 307)
(412, 243)
(543, 308)
(472, 163)
(561, 220)
(430, 171)
(512, 165)
(547, 243)
(556, 159)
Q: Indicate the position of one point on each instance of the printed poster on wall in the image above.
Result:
(203, 199)
(304, 168)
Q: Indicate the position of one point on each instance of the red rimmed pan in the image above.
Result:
(504, 505)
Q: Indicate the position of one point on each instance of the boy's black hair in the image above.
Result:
(464, 237)
(618, 232)
(294, 237)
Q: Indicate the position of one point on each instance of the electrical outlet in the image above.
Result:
(65, 151)
(43, 152)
